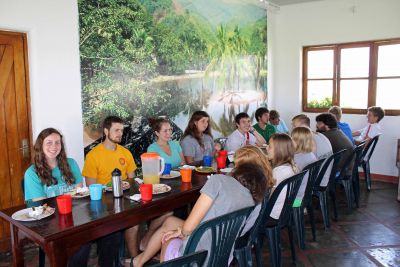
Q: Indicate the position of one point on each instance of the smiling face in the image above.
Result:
(244, 125)
(165, 132)
(202, 124)
(52, 146)
(114, 135)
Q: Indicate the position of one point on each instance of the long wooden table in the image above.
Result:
(60, 236)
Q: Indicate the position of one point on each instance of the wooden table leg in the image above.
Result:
(57, 254)
(17, 247)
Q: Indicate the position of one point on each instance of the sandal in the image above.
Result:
(129, 261)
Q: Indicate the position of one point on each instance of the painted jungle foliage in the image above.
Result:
(143, 58)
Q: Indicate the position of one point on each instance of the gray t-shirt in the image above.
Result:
(192, 148)
(228, 195)
(324, 150)
(302, 160)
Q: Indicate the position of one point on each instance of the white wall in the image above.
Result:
(326, 22)
(54, 71)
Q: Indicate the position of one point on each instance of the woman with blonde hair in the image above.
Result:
(281, 153)
(303, 147)
(303, 156)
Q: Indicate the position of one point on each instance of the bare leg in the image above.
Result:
(154, 225)
(171, 223)
(131, 238)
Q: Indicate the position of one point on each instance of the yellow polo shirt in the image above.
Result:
(100, 162)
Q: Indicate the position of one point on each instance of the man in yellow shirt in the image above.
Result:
(99, 164)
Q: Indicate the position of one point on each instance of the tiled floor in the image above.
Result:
(367, 236)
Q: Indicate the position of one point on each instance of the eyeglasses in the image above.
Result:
(167, 130)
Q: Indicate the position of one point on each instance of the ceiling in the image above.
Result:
(289, 2)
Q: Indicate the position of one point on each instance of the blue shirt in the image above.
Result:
(174, 159)
(281, 127)
(35, 189)
(345, 127)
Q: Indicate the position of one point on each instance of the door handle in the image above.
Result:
(25, 148)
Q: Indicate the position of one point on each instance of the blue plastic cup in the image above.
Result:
(207, 161)
(96, 191)
(167, 168)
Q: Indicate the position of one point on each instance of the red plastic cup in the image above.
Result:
(221, 162)
(186, 175)
(223, 153)
(146, 192)
(64, 204)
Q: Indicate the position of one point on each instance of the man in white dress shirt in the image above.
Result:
(244, 134)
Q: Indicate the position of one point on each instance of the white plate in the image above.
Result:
(171, 175)
(160, 189)
(226, 170)
(22, 215)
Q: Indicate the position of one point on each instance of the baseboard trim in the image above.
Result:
(382, 178)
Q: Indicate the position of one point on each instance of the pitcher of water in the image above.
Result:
(152, 167)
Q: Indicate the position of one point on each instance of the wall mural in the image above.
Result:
(146, 58)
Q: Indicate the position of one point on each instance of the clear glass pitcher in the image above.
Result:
(152, 167)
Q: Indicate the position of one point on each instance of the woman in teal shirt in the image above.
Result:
(52, 172)
(170, 150)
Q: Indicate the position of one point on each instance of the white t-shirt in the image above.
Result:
(374, 130)
(237, 140)
(280, 173)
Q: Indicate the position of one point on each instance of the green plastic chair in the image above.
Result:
(254, 238)
(195, 259)
(364, 161)
(224, 231)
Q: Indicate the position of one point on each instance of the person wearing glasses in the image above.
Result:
(168, 149)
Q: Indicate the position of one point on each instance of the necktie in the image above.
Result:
(369, 128)
(247, 138)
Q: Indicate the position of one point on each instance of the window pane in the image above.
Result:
(389, 60)
(388, 93)
(319, 94)
(354, 62)
(320, 64)
(354, 93)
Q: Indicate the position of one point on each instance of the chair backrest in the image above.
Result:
(369, 149)
(312, 172)
(268, 203)
(347, 164)
(331, 160)
(23, 186)
(358, 151)
(223, 231)
(191, 260)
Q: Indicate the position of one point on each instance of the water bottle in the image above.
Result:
(116, 183)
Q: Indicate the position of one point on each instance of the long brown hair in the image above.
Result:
(252, 177)
(191, 129)
(283, 150)
(254, 155)
(42, 168)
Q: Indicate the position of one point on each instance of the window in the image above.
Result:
(354, 76)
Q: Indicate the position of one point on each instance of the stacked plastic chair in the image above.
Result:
(254, 238)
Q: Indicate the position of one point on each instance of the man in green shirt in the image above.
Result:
(262, 126)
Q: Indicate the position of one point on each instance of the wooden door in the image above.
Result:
(15, 126)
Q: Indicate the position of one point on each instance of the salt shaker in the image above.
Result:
(116, 183)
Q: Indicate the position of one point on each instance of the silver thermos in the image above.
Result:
(116, 183)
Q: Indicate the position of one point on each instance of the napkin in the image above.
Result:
(209, 176)
(136, 197)
(138, 180)
(187, 167)
(82, 189)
